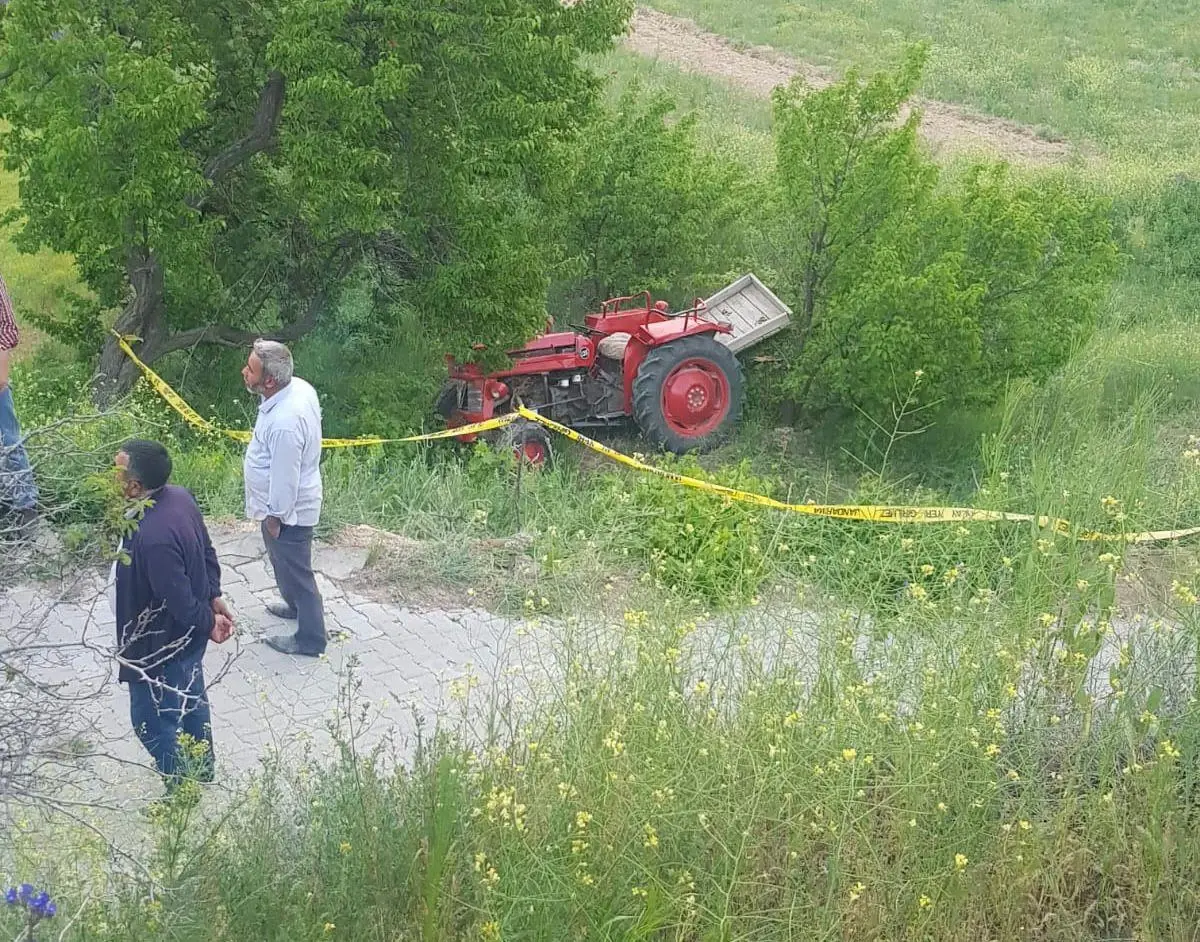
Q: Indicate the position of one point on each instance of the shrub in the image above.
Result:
(702, 545)
(894, 269)
(654, 211)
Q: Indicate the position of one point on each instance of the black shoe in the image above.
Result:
(282, 610)
(287, 644)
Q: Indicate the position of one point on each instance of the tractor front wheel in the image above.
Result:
(529, 442)
(687, 395)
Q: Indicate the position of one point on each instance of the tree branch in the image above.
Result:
(233, 337)
(260, 138)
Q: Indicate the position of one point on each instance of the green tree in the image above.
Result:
(895, 269)
(653, 211)
(220, 168)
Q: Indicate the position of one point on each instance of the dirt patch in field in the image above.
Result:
(759, 69)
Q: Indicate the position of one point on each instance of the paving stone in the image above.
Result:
(258, 575)
(340, 614)
(338, 562)
(328, 590)
(402, 661)
(237, 547)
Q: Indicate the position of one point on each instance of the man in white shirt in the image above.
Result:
(282, 471)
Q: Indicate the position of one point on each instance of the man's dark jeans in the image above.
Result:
(291, 558)
(175, 702)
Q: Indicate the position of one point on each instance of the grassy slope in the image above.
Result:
(918, 798)
(1143, 349)
(1123, 76)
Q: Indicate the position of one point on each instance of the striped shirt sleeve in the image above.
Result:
(8, 323)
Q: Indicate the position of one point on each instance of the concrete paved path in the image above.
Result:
(394, 663)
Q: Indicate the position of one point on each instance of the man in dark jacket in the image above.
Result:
(168, 606)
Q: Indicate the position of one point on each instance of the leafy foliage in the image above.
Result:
(654, 211)
(896, 270)
(700, 545)
(1172, 243)
(248, 157)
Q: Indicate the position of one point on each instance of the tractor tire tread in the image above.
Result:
(647, 387)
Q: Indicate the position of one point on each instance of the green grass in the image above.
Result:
(952, 742)
(36, 282)
(967, 768)
(1122, 76)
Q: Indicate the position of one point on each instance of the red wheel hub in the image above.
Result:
(695, 397)
(532, 452)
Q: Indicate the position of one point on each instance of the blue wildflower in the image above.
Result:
(39, 905)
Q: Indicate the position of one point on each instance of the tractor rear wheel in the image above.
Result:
(529, 443)
(687, 395)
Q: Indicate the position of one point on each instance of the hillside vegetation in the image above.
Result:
(927, 732)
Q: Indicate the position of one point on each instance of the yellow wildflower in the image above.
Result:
(960, 861)
(1183, 593)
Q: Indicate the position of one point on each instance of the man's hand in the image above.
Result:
(5, 357)
(222, 629)
(274, 524)
(221, 607)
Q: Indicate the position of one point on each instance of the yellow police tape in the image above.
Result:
(866, 512)
(195, 419)
(874, 513)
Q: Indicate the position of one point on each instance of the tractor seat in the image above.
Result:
(613, 346)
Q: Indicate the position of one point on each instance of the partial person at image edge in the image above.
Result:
(18, 489)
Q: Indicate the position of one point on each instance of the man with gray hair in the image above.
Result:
(282, 471)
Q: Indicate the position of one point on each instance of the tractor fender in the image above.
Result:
(648, 336)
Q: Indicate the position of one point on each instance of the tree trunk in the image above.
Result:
(142, 317)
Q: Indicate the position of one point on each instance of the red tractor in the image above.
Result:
(676, 374)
